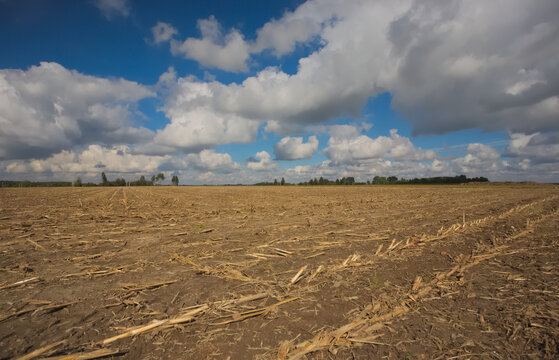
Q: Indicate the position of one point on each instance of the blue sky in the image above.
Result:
(245, 91)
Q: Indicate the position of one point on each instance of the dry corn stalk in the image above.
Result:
(21, 282)
(41, 351)
(253, 313)
(316, 272)
(298, 276)
(187, 317)
(96, 354)
(416, 284)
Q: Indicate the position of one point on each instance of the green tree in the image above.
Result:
(282, 181)
(104, 180)
(175, 180)
(155, 179)
(78, 182)
(379, 180)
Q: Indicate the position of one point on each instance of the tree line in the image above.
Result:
(142, 181)
(275, 183)
(393, 180)
(349, 180)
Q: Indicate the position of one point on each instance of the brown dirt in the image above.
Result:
(463, 272)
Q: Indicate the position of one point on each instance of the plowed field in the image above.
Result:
(449, 272)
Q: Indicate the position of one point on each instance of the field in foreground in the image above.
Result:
(280, 272)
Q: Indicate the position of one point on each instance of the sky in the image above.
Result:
(229, 92)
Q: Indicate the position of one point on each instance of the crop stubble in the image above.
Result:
(279, 272)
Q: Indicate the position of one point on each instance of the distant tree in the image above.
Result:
(392, 179)
(282, 181)
(104, 180)
(141, 182)
(276, 182)
(78, 182)
(157, 178)
(379, 180)
(175, 180)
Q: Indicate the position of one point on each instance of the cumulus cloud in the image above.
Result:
(262, 161)
(347, 146)
(92, 160)
(449, 66)
(229, 52)
(367, 170)
(479, 161)
(282, 35)
(197, 129)
(120, 161)
(335, 81)
(537, 148)
(162, 32)
(48, 108)
(208, 160)
(293, 148)
(448, 80)
(113, 8)
(427, 54)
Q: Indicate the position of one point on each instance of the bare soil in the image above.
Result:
(364, 272)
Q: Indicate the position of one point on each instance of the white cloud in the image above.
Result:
(498, 72)
(262, 161)
(93, 160)
(480, 160)
(162, 32)
(229, 52)
(197, 129)
(449, 66)
(367, 170)
(443, 78)
(293, 148)
(48, 108)
(537, 148)
(282, 35)
(208, 160)
(347, 146)
(526, 79)
(113, 8)
(120, 161)
(332, 82)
